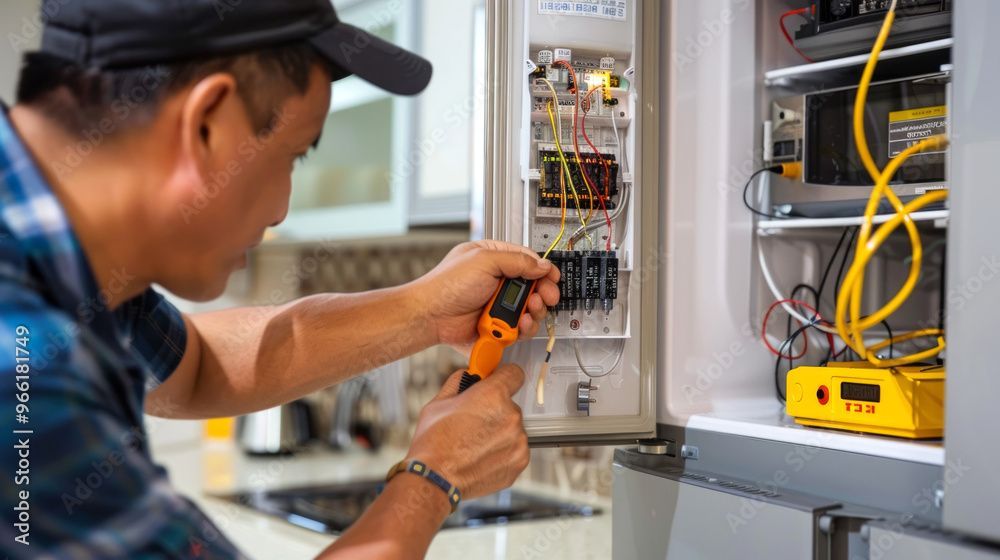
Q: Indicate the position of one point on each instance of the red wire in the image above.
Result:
(805, 340)
(576, 140)
(607, 168)
(784, 31)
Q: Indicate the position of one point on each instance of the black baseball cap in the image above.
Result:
(108, 34)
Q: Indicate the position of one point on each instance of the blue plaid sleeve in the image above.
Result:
(90, 488)
(156, 331)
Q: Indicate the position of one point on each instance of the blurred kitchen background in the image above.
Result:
(394, 184)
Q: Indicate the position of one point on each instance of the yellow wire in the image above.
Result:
(562, 199)
(860, 140)
(851, 333)
(550, 326)
(557, 130)
(852, 290)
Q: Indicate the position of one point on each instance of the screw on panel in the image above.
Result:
(689, 452)
(583, 398)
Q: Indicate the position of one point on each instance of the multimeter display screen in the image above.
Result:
(509, 298)
(860, 392)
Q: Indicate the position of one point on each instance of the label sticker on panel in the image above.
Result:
(910, 126)
(603, 9)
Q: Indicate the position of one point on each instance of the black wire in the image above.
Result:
(888, 329)
(829, 266)
(746, 189)
(817, 294)
(795, 290)
(777, 363)
(808, 288)
(836, 283)
(843, 263)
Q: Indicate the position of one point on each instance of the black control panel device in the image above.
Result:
(589, 279)
(602, 174)
(839, 28)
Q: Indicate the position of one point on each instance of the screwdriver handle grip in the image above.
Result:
(468, 380)
(486, 355)
(497, 329)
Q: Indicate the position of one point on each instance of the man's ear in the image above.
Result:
(207, 115)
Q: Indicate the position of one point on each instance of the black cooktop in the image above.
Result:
(333, 508)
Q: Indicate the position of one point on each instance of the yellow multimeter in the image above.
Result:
(497, 329)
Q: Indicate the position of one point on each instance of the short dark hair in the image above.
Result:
(82, 99)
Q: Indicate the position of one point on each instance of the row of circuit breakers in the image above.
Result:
(589, 278)
(586, 278)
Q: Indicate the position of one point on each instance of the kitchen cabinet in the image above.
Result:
(678, 356)
(386, 163)
(357, 182)
(447, 160)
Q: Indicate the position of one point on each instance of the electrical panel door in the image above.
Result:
(571, 97)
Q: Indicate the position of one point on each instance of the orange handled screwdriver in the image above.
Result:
(497, 329)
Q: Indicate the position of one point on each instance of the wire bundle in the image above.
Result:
(556, 124)
(850, 325)
(592, 188)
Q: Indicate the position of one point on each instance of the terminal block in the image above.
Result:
(603, 180)
(588, 279)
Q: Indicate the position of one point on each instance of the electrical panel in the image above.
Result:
(570, 188)
(578, 208)
(838, 28)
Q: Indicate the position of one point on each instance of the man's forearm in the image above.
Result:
(398, 526)
(255, 358)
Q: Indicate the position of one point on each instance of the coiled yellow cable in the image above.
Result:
(851, 291)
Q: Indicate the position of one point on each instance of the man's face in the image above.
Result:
(237, 187)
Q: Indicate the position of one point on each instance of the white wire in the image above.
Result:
(623, 200)
(555, 105)
(596, 224)
(618, 141)
(614, 366)
(769, 280)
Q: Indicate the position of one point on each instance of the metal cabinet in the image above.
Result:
(692, 360)
(672, 513)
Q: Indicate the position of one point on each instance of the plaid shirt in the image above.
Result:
(83, 457)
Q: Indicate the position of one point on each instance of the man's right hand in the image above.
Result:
(476, 440)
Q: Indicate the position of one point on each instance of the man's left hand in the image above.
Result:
(456, 291)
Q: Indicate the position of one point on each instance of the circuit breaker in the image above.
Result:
(569, 184)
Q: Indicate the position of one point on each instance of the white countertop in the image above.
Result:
(218, 467)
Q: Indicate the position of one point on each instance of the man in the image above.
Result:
(152, 142)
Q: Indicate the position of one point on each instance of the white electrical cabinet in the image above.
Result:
(705, 90)
(572, 173)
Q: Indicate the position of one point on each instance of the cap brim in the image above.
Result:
(379, 62)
